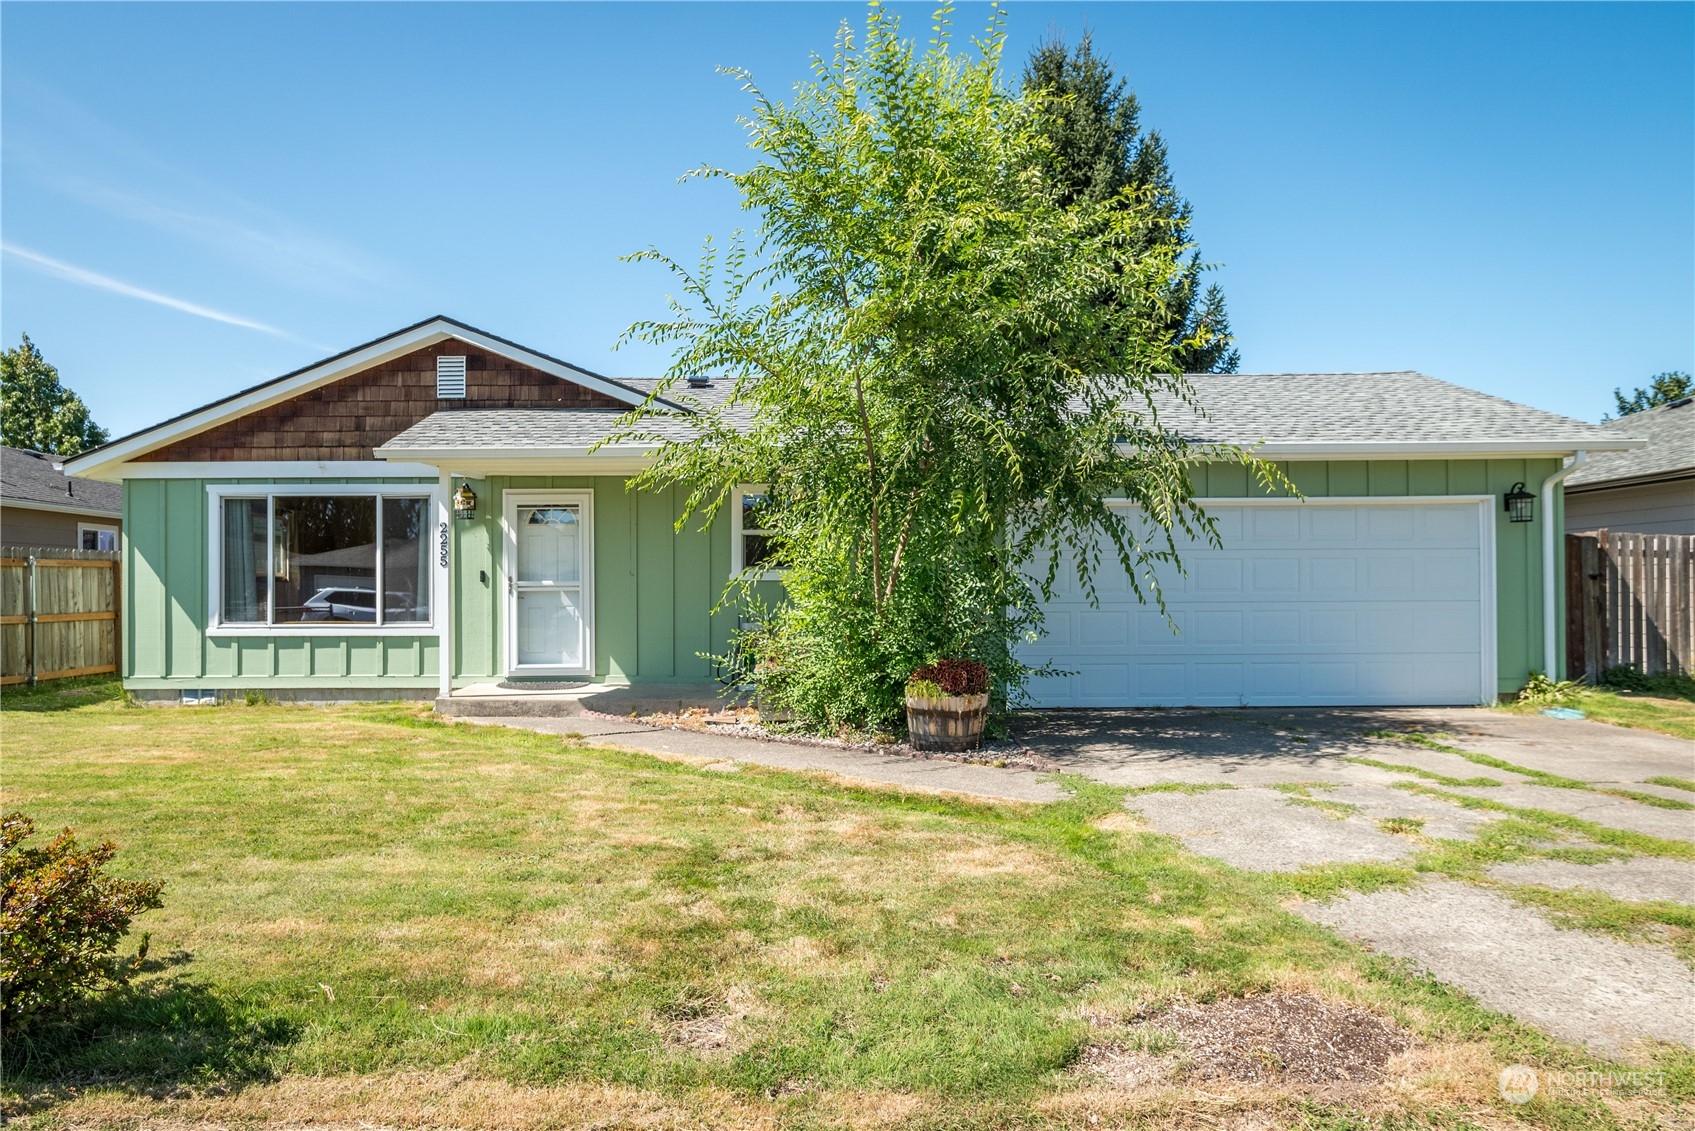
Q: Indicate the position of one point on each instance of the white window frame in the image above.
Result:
(101, 528)
(738, 550)
(216, 493)
(510, 502)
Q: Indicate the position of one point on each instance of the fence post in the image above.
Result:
(29, 617)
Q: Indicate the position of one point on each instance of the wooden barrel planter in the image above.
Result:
(950, 722)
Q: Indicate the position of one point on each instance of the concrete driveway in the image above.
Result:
(1247, 746)
(1287, 790)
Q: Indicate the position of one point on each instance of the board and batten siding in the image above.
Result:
(166, 611)
(1518, 545)
(654, 587)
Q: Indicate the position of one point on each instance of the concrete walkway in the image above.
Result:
(725, 751)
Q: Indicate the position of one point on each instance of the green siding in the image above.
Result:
(1518, 546)
(165, 612)
(654, 588)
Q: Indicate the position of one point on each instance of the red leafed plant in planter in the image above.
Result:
(946, 704)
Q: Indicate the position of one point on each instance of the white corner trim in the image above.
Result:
(441, 549)
(1550, 574)
(377, 352)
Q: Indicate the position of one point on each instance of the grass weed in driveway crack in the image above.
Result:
(1264, 830)
(1640, 879)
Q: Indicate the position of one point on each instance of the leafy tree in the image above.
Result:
(1663, 388)
(1099, 150)
(36, 411)
(920, 369)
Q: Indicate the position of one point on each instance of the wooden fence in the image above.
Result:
(1630, 599)
(59, 613)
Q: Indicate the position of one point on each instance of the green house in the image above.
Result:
(435, 512)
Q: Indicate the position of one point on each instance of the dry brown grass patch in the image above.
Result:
(1293, 1037)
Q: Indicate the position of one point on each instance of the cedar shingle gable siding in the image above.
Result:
(346, 419)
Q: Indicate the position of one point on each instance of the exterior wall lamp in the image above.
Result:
(465, 502)
(1520, 504)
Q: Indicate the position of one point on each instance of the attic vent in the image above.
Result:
(700, 382)
(450, 378)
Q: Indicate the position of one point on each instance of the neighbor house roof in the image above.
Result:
(1670, 454)
(28, 479)
(1318, 415)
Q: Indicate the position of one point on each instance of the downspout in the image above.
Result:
(444, 649)
(1550, 570)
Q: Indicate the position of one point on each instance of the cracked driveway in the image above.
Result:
(1266, 745)
(1286, 791)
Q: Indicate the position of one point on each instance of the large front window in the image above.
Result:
(324, 559)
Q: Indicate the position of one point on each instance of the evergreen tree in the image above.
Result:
(1096, 133)
(36, 411)
(1663, 388)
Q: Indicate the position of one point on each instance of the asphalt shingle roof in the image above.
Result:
(27, 476)
(1239, 408)
(1405, 407)
(1670, 432)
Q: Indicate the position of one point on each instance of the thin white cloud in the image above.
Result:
(76, 154)
(272, 245)
(94, 279)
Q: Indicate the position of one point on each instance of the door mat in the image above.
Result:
(540, 685)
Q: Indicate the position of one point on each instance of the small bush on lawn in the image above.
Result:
(60, 921)
(1540, 691)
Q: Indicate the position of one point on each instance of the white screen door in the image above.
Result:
(550, 602)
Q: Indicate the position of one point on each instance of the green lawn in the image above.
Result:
(373, 915)
(1668, 713)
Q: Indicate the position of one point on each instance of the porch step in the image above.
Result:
(530, 706)
(486, 701)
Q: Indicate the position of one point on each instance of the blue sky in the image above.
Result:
(198, 197)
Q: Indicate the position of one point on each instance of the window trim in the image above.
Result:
(737, 547)
(103, 528)
(216, 493)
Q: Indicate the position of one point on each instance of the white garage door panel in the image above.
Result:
(1306, 604)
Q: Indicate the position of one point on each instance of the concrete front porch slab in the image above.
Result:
(491, 700)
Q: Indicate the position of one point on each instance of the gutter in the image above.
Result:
(1550, 601)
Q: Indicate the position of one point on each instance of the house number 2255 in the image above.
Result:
(444, 545)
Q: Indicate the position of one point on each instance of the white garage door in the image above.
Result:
(1312, 603)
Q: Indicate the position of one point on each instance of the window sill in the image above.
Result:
(273, 631)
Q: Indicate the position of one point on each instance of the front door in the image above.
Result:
(550, 607)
